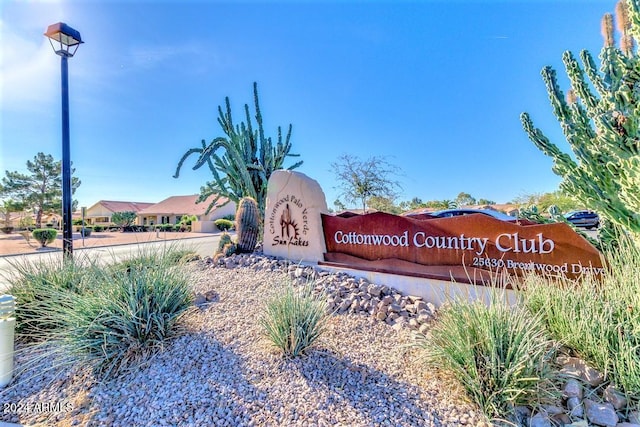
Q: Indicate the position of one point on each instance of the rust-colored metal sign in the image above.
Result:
(464, 247)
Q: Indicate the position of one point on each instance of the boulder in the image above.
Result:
(292, 223)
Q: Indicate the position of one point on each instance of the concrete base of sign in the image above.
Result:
(435, 291)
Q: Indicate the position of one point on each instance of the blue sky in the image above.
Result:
(436, 87)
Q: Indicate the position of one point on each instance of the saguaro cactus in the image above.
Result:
(600, 118)
(247, 224)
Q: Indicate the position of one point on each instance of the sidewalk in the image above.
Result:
(15, 244)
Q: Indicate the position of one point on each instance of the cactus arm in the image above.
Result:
(183, 158)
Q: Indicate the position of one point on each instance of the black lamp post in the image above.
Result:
(65, 42)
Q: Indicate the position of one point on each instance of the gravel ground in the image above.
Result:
(220, 371)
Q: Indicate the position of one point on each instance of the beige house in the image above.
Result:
(100, 213)
(171, 211)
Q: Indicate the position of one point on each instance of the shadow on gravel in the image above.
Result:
(196, 380)
(377, 396)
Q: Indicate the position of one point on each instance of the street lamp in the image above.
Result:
(65, 42)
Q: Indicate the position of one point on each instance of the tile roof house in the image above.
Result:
(172, 209)
(100, 213)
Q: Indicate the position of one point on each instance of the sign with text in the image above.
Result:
(457, 245)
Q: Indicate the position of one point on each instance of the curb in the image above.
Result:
(56, 250)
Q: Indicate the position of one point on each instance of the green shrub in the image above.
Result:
(223, 224)
(45, 235)
(40, 286)
(107, 317)
(294, 319)
(86, 231)
(98, 228)
(77, 221)
(499, 354)
(599, 320)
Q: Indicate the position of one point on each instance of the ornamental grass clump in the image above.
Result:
(499, 354)
(41, 287)
(106, 317)
(127, 318)
(294, 319)
(598, 319)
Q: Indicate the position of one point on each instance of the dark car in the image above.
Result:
(585, 218)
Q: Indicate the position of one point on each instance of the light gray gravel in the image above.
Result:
(221, 371)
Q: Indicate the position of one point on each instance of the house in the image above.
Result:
(100, 213)
(172, 209)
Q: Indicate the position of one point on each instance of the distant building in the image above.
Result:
(101, 212)
(172, 209)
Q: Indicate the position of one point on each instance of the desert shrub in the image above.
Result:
(499, 354)
(294, 319)
(598, 319)
(223, 224)
(45, 235)
(7, 230)
(77, 221)
(40, 286)
(107, 317)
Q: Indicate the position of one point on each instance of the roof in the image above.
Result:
(114, 206)
(182, 205)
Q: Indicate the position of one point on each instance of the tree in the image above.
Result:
(249, 158)
(465, 199)
(600, 119)
(7, 207)
(485, 202)
(384, 204)
(124, 219)
(361, 180)
(41, 188)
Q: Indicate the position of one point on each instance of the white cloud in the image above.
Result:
(29, 71)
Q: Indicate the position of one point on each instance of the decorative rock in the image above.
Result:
(627, 425)
(581, 423)
(292, 223)
(381, 315)
(602, 414)
(615, 397)
(634, 417)
(577, 368)
(572, 388)
(575, 408)
(540, 420)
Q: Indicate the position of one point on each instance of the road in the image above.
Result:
(204, 246)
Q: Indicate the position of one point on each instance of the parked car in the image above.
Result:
(447, 213)
(584, 218)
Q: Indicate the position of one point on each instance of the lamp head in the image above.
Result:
(64, 39)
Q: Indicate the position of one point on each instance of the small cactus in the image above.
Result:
(247, 224)
(229, 249)
(225, 239)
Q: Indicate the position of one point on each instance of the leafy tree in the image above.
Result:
(7, 207)
(384, 204)
(41, 188)
(360, 180)
(485, 202)
(248, 159)
(124, 219)
(415, 203)
(600, 119)
(339, 205)
(465, 199)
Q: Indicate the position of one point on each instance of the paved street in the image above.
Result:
(205, 246)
